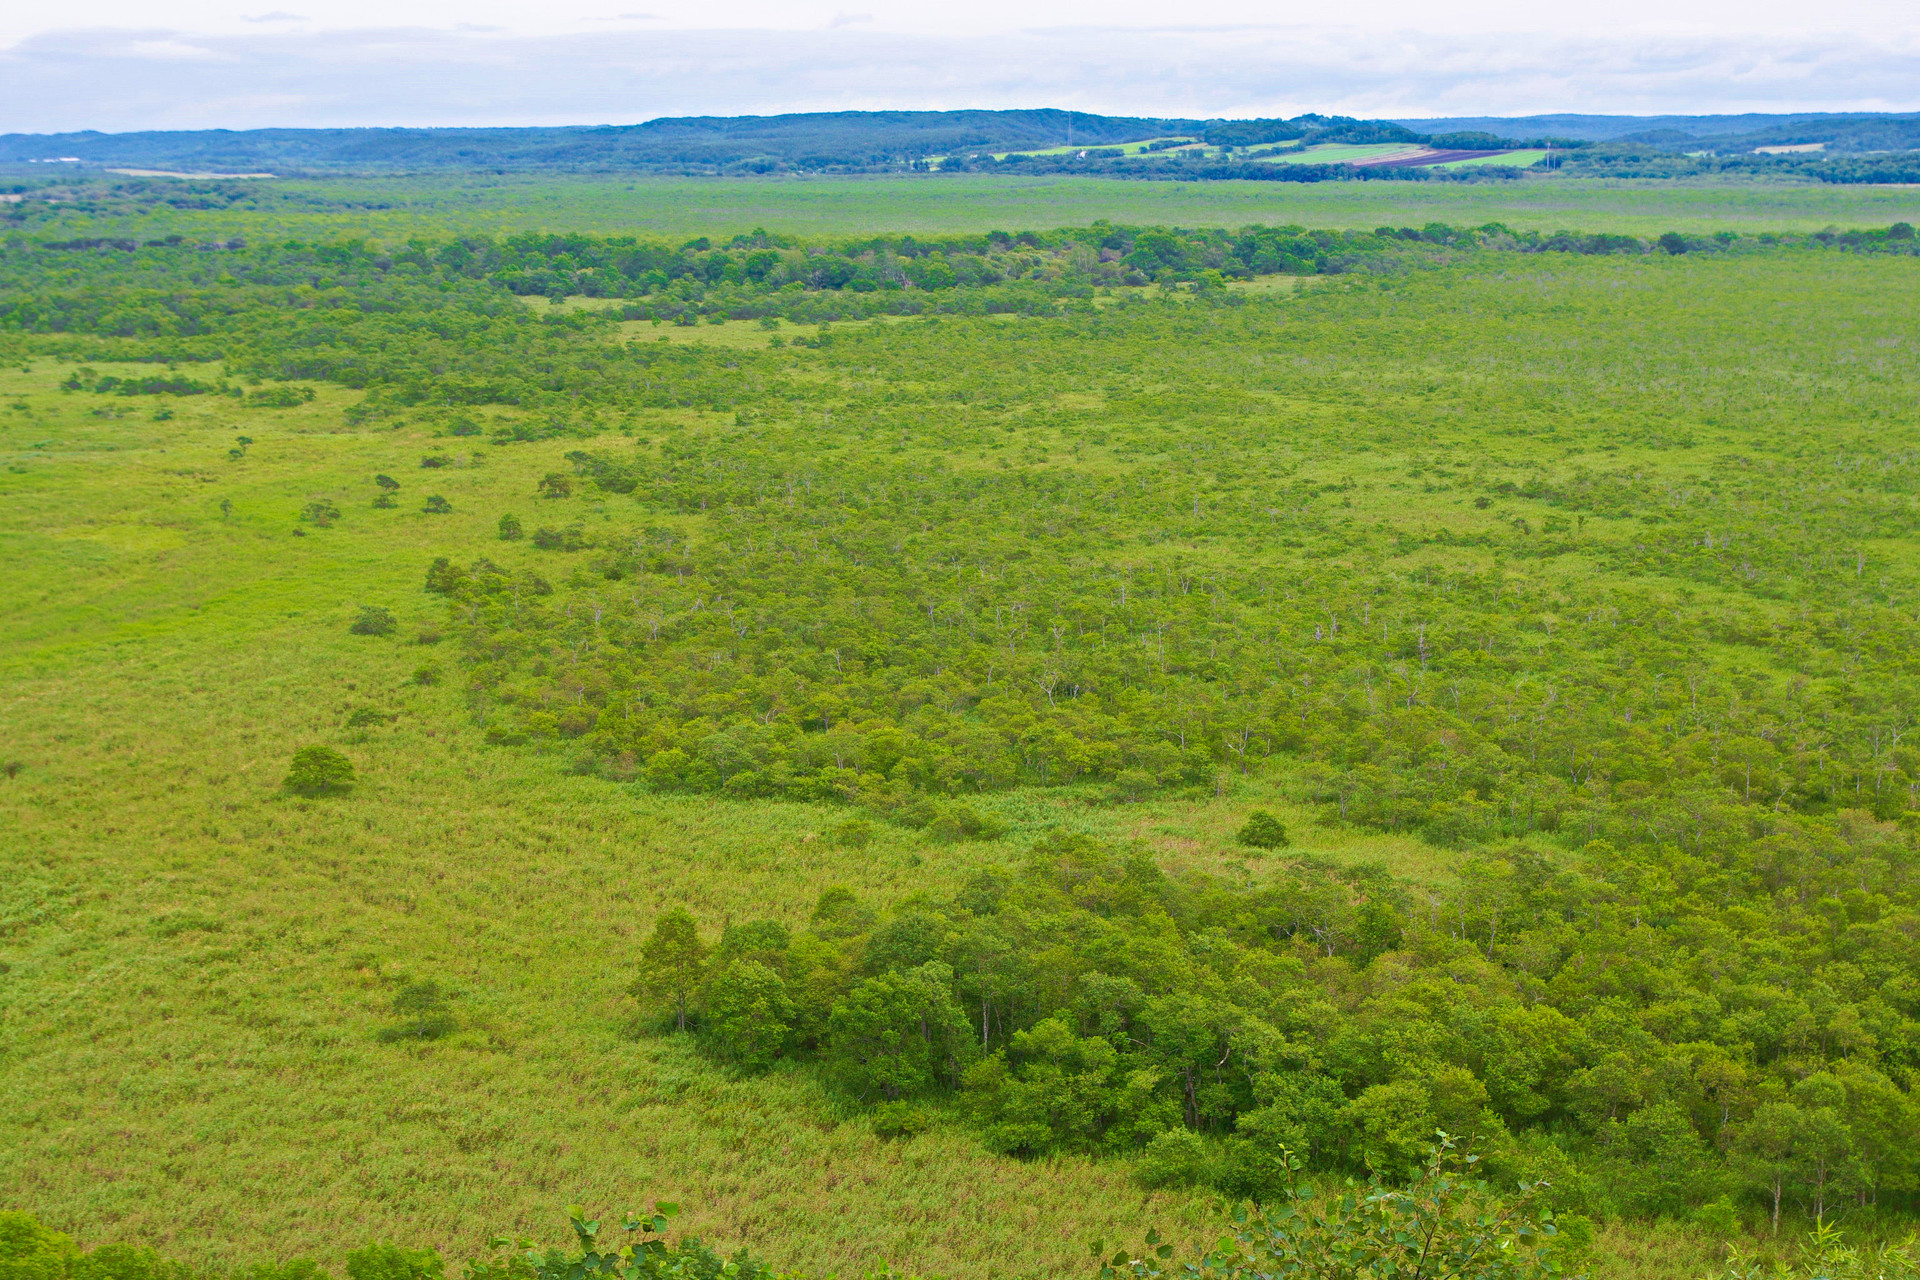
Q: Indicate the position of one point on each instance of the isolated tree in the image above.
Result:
(319, 771)
(672, 963)
(510, 529)
(555, 484)
(437, 506)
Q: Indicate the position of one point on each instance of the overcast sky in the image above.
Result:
(186, 64)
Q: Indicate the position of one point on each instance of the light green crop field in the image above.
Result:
(194, 963)
(1064, 149)
(1346, 152)
(393, 210)
(1514, 159)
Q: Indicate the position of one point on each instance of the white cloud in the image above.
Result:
(120, 80)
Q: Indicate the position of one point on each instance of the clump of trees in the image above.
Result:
(1569, 1021)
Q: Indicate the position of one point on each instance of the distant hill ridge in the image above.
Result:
(869, 141)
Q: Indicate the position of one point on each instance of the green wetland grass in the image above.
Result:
(393, 210)
(199, 965)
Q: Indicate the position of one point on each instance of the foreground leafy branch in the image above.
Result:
(1445, 1224)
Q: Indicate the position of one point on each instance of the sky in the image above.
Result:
(119, 65)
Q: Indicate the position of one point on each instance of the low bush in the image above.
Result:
(1263, 831)
(374, 620)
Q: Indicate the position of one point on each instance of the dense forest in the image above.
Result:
(1574, 596)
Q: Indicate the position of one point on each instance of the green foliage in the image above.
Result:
(1175, 1158)
(281, 397)
(320, 514)
(898, 1034)
(672, 963)
(748, 1019)
(374, 620)
(29, 1251)
(1445, 1222)
(1828, 1255)
(392, 1262)
(1576, 585)
(509, 529)
(1262, 831)
(1094, 1004)
(319, 771)
(437, 506)
(644, 1255)
(895, 1120)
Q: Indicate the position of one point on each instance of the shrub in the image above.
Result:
(384, 502)
(958, 820)
(1177, 1158)
(900, 1120)
(510, 529)
(1444, 1222)
(444, 577)
(571, 538)
(281, 397)
(319, 771)
(320, 514)
(555, 484)
(1263, 831)
(427, 673)
(391, 1262)
(854, 833)
(386, 482)
(363, 716)
(374, 621)
(438, 506)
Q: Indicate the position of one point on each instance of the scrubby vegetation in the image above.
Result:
(1199, 720)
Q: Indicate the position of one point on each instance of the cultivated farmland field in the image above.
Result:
(1557, 604)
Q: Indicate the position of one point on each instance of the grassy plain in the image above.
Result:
(197, 963)
(391, 210)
